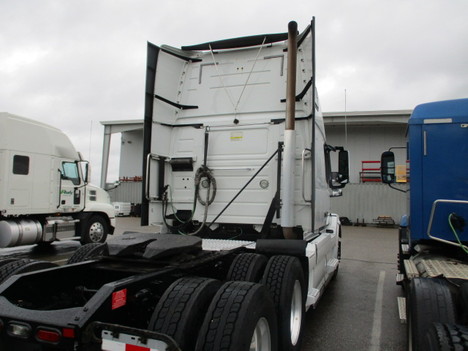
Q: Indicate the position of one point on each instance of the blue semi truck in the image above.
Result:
(433, 237)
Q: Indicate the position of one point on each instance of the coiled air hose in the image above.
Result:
(205, 172)
(202, 172)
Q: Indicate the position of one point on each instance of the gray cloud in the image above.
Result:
(73, 63)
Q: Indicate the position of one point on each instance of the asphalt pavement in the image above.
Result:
(358, 310)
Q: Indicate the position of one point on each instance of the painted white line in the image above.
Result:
(377, 323)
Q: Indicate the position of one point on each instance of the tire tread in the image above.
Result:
(21, 266)
(87, 251)
(447, 337)
(247, 267)
(226, 320)
(181, 307)
(430, 301)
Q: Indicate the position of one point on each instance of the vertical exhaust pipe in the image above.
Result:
(289, 163)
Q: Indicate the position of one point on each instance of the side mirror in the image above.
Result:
(337, 180)
(86, 171)
(387, 168)
(343, 166)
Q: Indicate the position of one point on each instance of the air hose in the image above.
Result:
(202, 172)
(453, 218)
(167, 199)
(205, 172)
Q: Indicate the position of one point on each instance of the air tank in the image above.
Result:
(19, 232)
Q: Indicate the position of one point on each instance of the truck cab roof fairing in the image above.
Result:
(241, 42)
(235, 43)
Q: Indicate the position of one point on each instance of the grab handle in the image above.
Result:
(303, 173)
(149, 157)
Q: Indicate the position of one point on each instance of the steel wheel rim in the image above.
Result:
(261, 338)
(296, 313)
(96, 231)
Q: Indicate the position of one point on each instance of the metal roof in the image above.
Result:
(330, 118)
(367, 117)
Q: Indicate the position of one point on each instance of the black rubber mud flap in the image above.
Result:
(281, 247)
(429, 301)
(181, 309)
(240, 314)
(247, 267)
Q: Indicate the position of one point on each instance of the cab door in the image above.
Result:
(71, 192)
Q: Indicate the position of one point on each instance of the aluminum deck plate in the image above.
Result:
(221, 245)
(411, 269)
(402, 309)
(449, 269)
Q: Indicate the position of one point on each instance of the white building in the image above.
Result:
(365, 134)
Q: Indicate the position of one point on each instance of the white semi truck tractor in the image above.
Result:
(44, 190)
(241, 193)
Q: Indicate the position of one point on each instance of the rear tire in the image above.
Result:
(87, 252)
(181, 309)
(241, 317)
(447, 337)
(23, 265)
(285, 279)
(94, 230)
(429, 301)
(7, 260)
(247, 267)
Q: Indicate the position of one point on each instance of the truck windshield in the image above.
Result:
(70, 172)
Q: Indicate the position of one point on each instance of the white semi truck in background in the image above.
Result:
(44, 190)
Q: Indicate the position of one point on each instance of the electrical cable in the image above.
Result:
(205, 215)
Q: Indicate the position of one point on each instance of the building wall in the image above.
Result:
(126, 192)
(366, 202)
(131, 158)
(366, 143)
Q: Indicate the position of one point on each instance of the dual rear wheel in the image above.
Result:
(261, 310)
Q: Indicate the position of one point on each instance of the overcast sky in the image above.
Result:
(73, 63)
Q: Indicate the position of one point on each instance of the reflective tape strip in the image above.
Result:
(110, 345)
(127, 342)
(137, 348)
